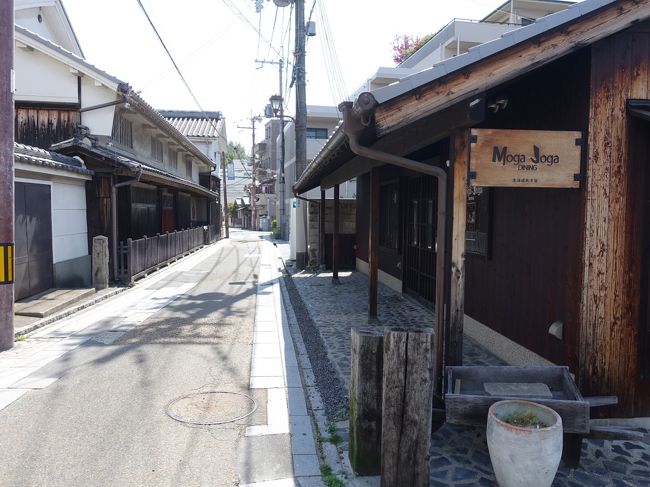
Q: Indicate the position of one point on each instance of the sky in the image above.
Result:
(216, 44)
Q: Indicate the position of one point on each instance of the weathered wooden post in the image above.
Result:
(130, 260)
(100, 262)
(407, 404)
(366, 379)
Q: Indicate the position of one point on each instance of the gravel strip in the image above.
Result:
(330, 387)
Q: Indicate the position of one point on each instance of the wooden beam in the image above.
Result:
(351, 169)
(459, 166)
(427, 131)
(507, 65)
(335, 237)
(373, 245)
(321, 226)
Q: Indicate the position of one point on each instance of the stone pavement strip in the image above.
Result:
(459, 455)
(274, 367)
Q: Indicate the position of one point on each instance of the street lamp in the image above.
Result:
(276, 104)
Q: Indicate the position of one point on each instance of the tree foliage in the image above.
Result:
(235, 151)
(404, 46)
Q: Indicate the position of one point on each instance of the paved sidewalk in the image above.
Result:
(274, 367)
(459, 455)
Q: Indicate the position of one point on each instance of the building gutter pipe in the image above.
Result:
(138, 170)
(357, 118)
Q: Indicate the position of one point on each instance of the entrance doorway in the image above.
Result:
(420, 234)
(33, 239)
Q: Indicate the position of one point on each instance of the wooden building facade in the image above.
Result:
(518, 259)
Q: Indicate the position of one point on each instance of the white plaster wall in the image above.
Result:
(69, 230)
(28, 18)
(93, 93)
(41, 78)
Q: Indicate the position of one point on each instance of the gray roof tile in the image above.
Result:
(53, 160)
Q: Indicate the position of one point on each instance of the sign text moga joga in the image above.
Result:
(525, 158)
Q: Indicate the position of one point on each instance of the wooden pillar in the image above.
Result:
(459, 159)
(407, 405)
(366, 386)
(373, 245)
(335, 238)
(611, 295)
(321, 226)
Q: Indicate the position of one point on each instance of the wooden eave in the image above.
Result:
(508, 64)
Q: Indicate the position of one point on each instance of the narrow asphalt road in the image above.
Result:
(96, 415)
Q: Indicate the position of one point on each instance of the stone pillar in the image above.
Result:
(100, 262)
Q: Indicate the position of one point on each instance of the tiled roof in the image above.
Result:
(52, 160)
(193, 124)
(135, 166)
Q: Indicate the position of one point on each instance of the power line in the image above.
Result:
(238, 13)
(171, 58)
(275, 19)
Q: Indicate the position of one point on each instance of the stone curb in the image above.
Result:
(68, 312)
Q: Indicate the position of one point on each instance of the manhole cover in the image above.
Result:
(211, 407)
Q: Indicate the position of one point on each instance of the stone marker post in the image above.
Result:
(407, 405)
(365, 400)
(100, 262)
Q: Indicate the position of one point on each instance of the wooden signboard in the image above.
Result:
(525, 158)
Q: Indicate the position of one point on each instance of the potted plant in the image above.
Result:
(525, 443)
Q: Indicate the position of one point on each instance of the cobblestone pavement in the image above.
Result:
(459, 455)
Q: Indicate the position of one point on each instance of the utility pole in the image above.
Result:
(6, 175)
(283, 199)
(226, 213)
(253, 120)
(301, 97)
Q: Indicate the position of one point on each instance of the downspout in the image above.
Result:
(114, 214)
(356, 119)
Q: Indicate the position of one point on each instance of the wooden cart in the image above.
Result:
(471, 390)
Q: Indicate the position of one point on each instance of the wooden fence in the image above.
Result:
(137, 258)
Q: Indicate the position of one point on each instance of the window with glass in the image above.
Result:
(316, 133)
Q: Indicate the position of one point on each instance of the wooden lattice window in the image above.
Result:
(389, 216)
(122, 131)
(156, 149)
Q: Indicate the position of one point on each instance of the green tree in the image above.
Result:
(235, 151)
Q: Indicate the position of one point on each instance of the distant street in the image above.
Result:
(96, 415)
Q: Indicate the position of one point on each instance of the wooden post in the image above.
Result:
(407, 405)
(373, 245)
(459, 167)
(335, 238)
(365, 400)
(321, 235)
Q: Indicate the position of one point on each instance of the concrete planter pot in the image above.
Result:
(522, 455)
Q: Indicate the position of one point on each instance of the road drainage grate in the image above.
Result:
(211, 407)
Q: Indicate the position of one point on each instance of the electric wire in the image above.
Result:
(334, 74)
(180, 74)
(238, 13)
(275, 19)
